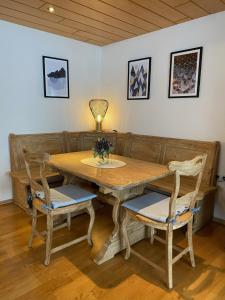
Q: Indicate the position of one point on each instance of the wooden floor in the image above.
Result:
(73, 275)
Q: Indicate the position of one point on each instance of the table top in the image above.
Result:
(134, 173)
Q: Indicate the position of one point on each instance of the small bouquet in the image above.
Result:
(102, 149)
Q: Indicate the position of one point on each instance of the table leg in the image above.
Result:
(67, 178)
(115, 216)
(114, 244)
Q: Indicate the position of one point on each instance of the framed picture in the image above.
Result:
(56, 77)
(139, 72)
(185, 73)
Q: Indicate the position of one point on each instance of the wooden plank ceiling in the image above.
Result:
(103, 22)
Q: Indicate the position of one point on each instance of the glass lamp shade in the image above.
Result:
(98, 108)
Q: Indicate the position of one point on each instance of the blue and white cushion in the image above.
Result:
(67, 195)
(154, 206)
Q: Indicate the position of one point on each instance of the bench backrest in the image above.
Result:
(163, 150)
(52, 143)
(78, 141)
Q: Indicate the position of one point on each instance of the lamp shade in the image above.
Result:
(98, 108)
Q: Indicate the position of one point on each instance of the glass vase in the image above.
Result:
(103, 159)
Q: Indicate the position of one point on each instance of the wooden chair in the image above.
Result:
(62, 200)
(161, 212)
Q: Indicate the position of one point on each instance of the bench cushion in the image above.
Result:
(67, 195)
(154, 206)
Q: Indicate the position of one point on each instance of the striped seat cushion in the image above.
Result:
(67, 195)
(154, 206)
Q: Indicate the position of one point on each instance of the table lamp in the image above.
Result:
(98, 108)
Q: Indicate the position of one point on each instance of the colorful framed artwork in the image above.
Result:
(56, 77)
(139, 72)
(185, 73)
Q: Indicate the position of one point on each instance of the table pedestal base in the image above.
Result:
(136, 231)
(114, 245)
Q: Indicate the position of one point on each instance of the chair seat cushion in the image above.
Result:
(154, 206)
(67, 195)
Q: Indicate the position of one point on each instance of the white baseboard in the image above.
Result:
(3, 202)
(221, 221)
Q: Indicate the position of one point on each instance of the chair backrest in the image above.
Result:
(194, 168)
(39, 160)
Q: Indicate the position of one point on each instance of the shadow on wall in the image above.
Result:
(219, 210)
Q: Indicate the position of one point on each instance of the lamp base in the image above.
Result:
(98, 126)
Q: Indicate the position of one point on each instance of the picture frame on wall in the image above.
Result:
(138, 84)
(56, 77)
(185, 73)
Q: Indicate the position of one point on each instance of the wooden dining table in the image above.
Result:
(119, 184)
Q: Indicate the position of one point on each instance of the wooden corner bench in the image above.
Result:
(150, 148)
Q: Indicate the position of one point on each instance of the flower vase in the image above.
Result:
(103, 160)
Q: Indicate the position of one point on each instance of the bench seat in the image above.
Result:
(21, 175)
(166, 185)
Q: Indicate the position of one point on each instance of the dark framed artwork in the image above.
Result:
(185, 73)
(56, 77)
(138, 85)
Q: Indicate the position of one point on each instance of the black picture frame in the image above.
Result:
(56, 76)
(189, 72)
(136, 63)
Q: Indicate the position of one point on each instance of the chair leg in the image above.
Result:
(190, 242)
(152, 233)
(49, 239)
(169, 256)
(69, 221)
(91, 212)
(34, 222)
(125, 235)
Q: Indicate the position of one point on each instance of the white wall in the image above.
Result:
(198, 118)
(23, 108)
